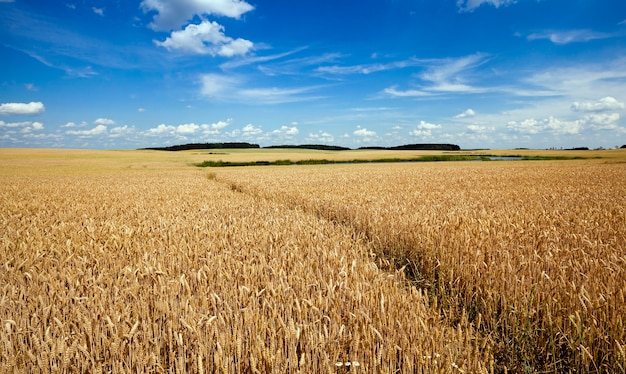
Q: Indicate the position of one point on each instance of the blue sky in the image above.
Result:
(494, 74)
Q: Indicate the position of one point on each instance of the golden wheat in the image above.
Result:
(532, 253)
(166, 270)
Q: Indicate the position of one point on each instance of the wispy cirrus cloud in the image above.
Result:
(368, 68)
(449, 75)
(236, 88)
(249, 60)
(569, 36)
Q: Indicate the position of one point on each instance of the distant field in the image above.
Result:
(139, 261)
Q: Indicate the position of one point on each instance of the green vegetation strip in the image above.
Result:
(432, 158)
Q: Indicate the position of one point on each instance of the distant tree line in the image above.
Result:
(321, 147)
(420, 147)
(191, 146)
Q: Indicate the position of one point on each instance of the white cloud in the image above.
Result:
(393, 91)
(470, 5)
(214, 128)
(25, 127)
(428, 126)
(602, 121)
(606, 103)
(98, 130)
(286, 131)
(480, 128)
(448, 75)
(237, 47)
(72, 124)
(161, 129)
(582, 80)
(367, 68)
(205, 38)
(187, 129)
(231, 88)
(275, 95)
(321, 137)
(9, 109)
(256, 59)
(182, 131)
(363, 132)
(171, 14)
(141, 110)
(424, 129)
(468, 113)
(120, 131)
(570, 36)
(250, 129)
(104, 121)
(215, 85)
(98, 11)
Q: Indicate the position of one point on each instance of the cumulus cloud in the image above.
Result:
(187, 129)
(24, 127)
(214, 128)
(599, 121)
(470, 5)
(104, 121)
(161, 129)
(98, 11)
(363, 132)
(72, 124)
(286, 130)
(569, 36)
(480, 128)
(9, 109)
(205, 38)
(468, 113)
(321, 137)
(604, 104)
(250, 129)
(424, 129)
(171, 14)
(98, 130)
(121, 130)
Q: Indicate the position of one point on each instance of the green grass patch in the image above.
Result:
(432, 158)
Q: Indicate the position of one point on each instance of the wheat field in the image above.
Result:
(163, 269)
(532, 253)
(138, 262)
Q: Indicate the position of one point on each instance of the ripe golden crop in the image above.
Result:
(532, 253)
(165, 270)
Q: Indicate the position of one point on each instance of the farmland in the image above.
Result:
(139, 261)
